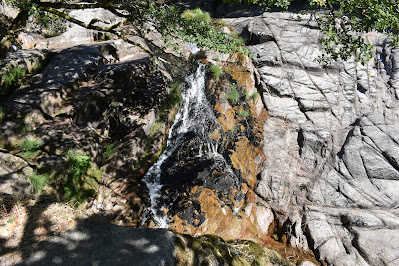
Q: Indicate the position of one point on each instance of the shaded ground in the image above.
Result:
(45, 233)
(93, 243)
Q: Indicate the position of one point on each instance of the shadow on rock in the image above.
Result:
(93, 243)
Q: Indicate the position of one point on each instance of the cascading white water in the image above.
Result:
(194, 115)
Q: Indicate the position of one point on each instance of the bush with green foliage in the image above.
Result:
(342, 22)
(254, 96)
(194, 26)
(217, 72)
(81, 178)
(38, 181)
(339, 21)
(243, 113)
(198, 15)
(171, 100)
(30, 147)
(233, 96)
(11, 78)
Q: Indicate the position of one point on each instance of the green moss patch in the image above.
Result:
(213, 250)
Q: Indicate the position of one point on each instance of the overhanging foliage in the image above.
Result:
(343, 22)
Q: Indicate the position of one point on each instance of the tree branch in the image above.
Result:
(110, 29)
(62, 5)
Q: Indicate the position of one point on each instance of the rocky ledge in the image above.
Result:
(331, 141)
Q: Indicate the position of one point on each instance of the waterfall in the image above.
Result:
(195, 116)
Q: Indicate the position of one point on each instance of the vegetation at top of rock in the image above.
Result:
(194, 26)
(197, 14)
(344, 22)
(143, 16)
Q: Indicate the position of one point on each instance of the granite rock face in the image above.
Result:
(331, 142)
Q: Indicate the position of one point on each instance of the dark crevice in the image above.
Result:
(355, 244)
(309, 239)
(390, 160)
(348, 137)
(300, 140)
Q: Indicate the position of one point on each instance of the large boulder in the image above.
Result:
(330, 142)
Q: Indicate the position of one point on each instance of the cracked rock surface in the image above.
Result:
(331, 142)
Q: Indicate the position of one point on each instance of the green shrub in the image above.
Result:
(11, 78)
(194, 26)
(254, 96)
(171, 100)
(38, 182)
(81, 178)
(50, 25)
(246, 96)
(217, 72)
(108, 151)
(233, 96)
(30, 147)
(198, 15)
(243, 113)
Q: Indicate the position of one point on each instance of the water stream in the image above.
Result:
(194, 119)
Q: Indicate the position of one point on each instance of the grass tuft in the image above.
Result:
(254, 96)
(243, 113)
(10, 78)
(30, 147)
(81, 178)
(38, 182)
(198, 15)
(108, 150)
(233, 96)
(171, 100)
(217, 72)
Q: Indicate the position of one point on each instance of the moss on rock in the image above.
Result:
(213, 250)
